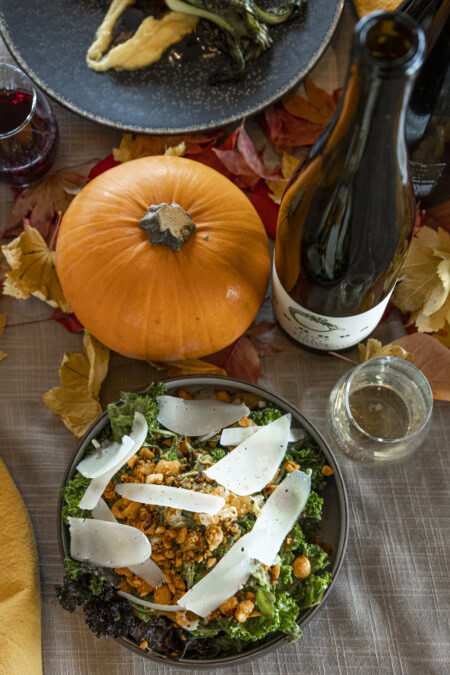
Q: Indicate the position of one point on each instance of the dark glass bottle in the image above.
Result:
(427, 117)
(347, 214)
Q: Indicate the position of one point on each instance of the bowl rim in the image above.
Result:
(277, 640)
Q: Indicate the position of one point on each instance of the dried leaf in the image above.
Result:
(320, 98)
(81, 375)
(188, 367)
(288, 165)
(147, 146)
(296, 131)
(364, 7)
(69, 321)
(41, 203)
(438, 216)
(265, 206)
(374, 348)
(33, 270)
(425, 286)
(108, 163)
(245, 164)
(243, 361)
(433, 359)
(301, 107)
(98, 356)
(176, 150)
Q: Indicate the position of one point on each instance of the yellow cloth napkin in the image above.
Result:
(363, 7)
(20, 602)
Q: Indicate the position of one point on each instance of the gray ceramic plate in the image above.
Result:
(50, 39)
(333, 529)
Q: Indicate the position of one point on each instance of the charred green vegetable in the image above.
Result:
(243, 27)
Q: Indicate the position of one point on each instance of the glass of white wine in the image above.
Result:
(379, 412)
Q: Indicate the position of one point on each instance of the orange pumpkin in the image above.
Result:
(163, 258)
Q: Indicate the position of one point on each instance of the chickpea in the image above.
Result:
(301, 567)
(327, 470)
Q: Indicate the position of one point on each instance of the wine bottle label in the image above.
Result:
(319, 331)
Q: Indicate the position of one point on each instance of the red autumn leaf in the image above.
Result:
(209, 158)
(230, 142)
(260, 328)
(433, 359)
(438, 216)
(245, 163)
(337, 95)
(102, 166)
(273, 121)
(409, 327)
(266, 207)
(41, 202)
(69, 321)
(297, 131)
(243, 361)
(387, 312)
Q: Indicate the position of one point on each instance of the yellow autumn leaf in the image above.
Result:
(374, 348)
(32, 270)
(424, 289)
(364, 7)
(176, 150)
(188, 367)
(277, 187)
(145, 146)
(81, 376)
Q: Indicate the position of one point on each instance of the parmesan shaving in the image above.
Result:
(253, 463)
(97, 486)
(235, 435)
(197, 417)
(223, 581)
(105, 458)
(173, 497)
(148, 570)
(150, 605)
(278, 516)
(107, 544)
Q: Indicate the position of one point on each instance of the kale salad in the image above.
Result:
(188, 501)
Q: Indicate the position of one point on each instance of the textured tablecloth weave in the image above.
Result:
(389, 610)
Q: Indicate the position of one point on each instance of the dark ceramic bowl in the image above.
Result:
(333, 529)
(49, 40)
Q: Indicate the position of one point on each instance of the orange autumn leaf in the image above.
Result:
(317, 108)
(432, 358)
(188, 367)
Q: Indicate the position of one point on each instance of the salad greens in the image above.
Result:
(275, 594)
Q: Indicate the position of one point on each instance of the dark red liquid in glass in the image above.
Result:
(27, 155)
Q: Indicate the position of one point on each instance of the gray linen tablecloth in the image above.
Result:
(389, 610)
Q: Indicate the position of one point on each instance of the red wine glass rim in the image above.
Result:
(27, 119)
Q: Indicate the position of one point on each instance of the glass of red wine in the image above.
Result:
(28, 129)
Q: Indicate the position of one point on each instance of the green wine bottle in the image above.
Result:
(347, 215)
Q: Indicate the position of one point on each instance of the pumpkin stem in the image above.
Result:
(168, 225)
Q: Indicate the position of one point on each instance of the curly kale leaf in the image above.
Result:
(299, 545)
(313, 508)
(309, 592)
(164, 637)
(121, 416)
(217, 453)
(246, 522)
(265, 416)
(72, 495)
(309, 456)
(284, 611)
